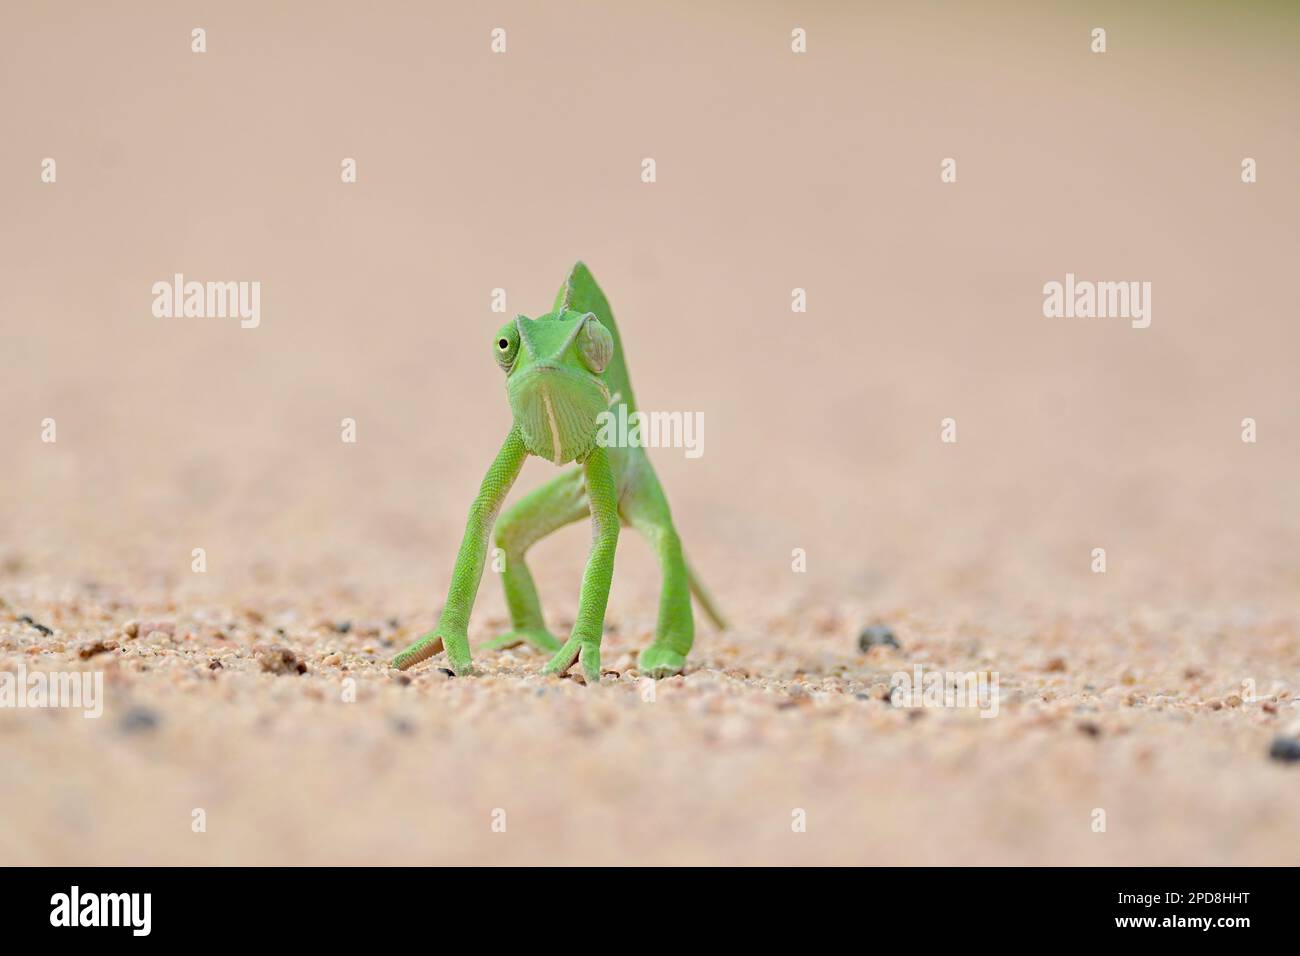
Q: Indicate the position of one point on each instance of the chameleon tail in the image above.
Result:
(705, 600)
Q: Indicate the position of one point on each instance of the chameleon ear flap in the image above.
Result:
(595, 344)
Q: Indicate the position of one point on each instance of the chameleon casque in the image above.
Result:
(562, 370)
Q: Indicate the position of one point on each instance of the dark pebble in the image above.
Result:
(877, 636)
(138, 720)
(448, 671)
(343, 627)
(26, 619)
(1285, 749)
(1089, 728)
(280, 660)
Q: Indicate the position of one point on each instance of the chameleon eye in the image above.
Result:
(505, 346)
(595, 345)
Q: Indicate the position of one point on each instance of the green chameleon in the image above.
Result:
(562, 371)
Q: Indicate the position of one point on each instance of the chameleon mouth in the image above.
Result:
(556, 412)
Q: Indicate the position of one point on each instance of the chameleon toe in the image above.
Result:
(421, 650)
(539, 638)
(660, 662)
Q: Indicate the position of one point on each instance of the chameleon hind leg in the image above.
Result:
(559, 502)
(646, 509)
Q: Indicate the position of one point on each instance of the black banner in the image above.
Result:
(334, 906)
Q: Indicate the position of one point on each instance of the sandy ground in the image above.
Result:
(1152, 692)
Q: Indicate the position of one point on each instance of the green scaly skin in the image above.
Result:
(562, 370)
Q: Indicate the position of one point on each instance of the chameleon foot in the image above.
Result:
(457, 647)
(538, 637)
(659, 662)
(574, 648)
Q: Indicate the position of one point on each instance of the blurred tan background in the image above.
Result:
(775, 171)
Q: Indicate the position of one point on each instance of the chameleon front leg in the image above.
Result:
(584, 640)
(452, 631)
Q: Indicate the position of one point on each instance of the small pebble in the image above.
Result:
(1285, 749)
(1055, 665)
(138, 720)
(280, 660)
(87, 651)
(26, 619)
(877, 636)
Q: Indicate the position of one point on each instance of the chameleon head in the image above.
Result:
(553, 366)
